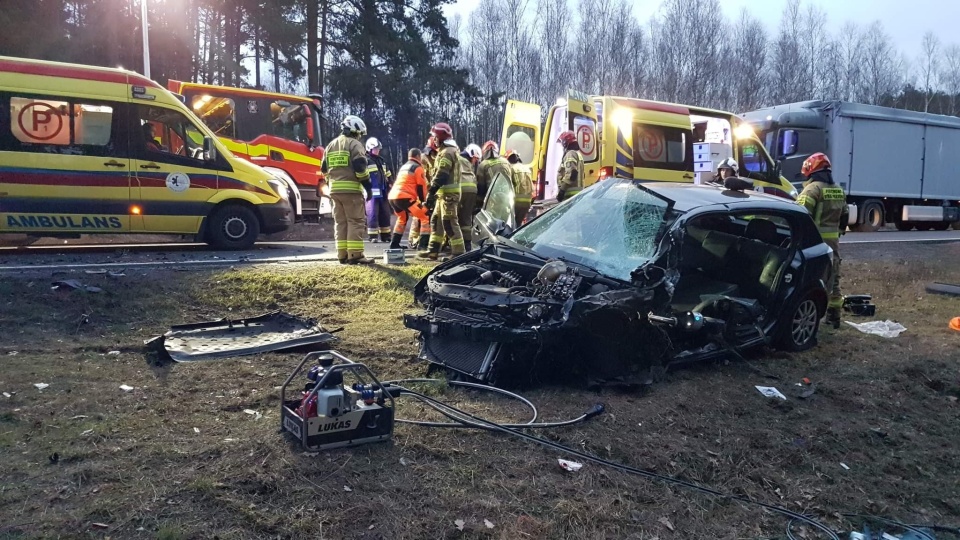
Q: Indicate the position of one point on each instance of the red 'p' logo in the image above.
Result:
(40, 121)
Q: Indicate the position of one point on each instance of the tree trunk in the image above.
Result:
(256, 56)
(321, 75)
(312, 69)
(276, 70)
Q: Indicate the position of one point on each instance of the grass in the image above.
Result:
(178, 458)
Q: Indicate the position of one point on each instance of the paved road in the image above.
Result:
(129, 256)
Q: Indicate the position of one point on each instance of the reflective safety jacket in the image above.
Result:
(446, 172)
(522, 183)
(411, 182)
(345, 165)
(488, 170)
(468, 178)
(380, 176)
(826, 202)
(570, 175)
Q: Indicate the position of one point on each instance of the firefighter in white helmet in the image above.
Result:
(345, 168)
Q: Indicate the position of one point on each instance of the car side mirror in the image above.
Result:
(209, 150)
(500, 228)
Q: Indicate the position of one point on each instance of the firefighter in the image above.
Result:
(408, 194)
(345, 169)
(727, 168)
(491, 165)
(468, 192)
(570, 175)
(443, 196)
(420, 230)
(827, 203)
(522, 186)
(378, 209)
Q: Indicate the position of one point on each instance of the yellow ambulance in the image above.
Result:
(88, 150)
(636, 138)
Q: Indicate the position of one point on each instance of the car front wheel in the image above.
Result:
(799, 326)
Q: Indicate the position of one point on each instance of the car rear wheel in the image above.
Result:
(798, 327)
(233, 227)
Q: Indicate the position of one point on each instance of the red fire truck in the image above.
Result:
(279, 132)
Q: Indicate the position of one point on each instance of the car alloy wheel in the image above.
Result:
(804, 325)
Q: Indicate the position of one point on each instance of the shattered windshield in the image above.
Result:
(612, 228)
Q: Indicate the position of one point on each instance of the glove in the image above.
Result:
(431, 202)
(561, 195)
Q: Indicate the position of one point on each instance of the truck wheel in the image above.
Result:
(798, 327)
(941, 226)
(233, 227)
(872, 217)
(956, 226)
(903, 225)
(924, 226)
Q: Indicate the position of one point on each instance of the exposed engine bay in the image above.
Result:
(509, 318)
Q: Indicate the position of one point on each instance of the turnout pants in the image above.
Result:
(445, 223)
(348, 220)
(520, 211)
(404, 209)
(836, 297)
(468, 201)
(378, 216)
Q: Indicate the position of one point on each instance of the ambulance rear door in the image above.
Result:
(65, 166)
(582, 120)
(521, 132)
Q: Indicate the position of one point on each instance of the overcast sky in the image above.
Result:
(904, 20)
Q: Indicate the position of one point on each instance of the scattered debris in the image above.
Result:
(41, 386)
(100, 526)
(955, 324)
(944, 288)
(844, 465)
(87, 432)
(54, 459)
(13, 353)
(808, 392)
(113, 353)
(571, 466)
(7, 395)
(771, 392)
(196, 430)
(404, 461)
(78, 417)
(224, 338)
(74, 285)
(256, 415)
(666, 523)
(488, 524)
(460, 524)
(126, 388)
(347, 489)
(887, 329)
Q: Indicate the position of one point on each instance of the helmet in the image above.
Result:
(442, 131)
(814, 163)
(353, 125)
(373, 144)
(512, 156)
(473, 151)
(731, 164)
(567, 138)
(490, 149)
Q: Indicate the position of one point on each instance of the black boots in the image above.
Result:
(384, 237)
(395, 241)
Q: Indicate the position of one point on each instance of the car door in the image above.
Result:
(173, 182)
(65, 165)
(521, 132)
(582, 121)
(496, 216)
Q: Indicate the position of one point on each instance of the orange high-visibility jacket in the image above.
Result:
(411, 182)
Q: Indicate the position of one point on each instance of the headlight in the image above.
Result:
(281, 188)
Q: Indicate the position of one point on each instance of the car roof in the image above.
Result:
(687, 197)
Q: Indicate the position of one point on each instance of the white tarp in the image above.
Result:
(887, 329)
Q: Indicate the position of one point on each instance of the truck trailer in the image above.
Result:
(896, 166)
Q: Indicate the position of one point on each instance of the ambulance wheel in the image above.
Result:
(233, 227)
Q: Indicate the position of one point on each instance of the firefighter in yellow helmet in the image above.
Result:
(827, 203)
(345, 168)
(570, 175)
(444, 195)
(522, 186)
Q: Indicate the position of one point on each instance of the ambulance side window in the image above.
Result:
(61, 125)
(168, 136)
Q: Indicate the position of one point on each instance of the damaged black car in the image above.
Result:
(623, 281)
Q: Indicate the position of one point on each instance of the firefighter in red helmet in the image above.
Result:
(827, 203)
(444, 195)
(570, 175)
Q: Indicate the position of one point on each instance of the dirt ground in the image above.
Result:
(178, 456)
